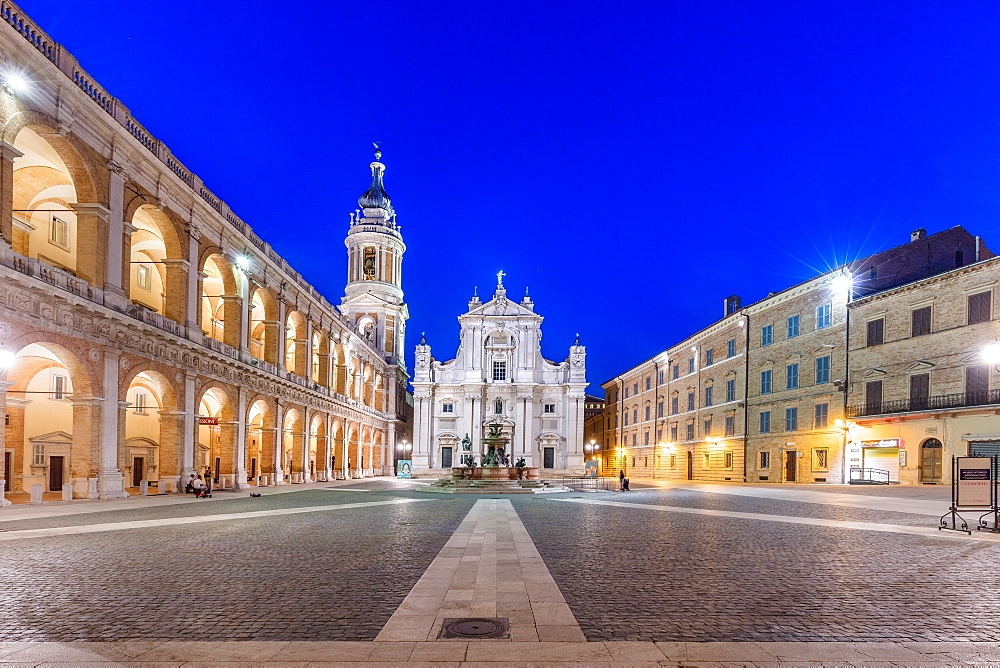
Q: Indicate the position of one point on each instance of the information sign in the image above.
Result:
(208, 420)
(975, 482)
(404, 468)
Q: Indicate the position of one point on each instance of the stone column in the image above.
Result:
(324, 369)
(240, 463)
(175, 305)
(529, 432)
(110, 481)
(273, 337)
(279, 359)
(192, 299)
(85, 453)
(268, 451)
(190, 426)
(92, 225)
(119, 234)
(278, 454)
(170, 461)
(235, 325)
(6, 475)
(7, 155)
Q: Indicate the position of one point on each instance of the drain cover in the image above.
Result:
(482, 628)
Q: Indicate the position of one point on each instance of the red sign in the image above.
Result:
(208, 420)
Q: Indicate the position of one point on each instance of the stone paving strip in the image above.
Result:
(498, 653)
(488, 568)
(929, 531)
(811, 495)
(6, 536)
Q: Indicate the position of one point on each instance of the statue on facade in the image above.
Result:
(466, 444)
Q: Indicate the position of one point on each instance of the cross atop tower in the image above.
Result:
(500, 276)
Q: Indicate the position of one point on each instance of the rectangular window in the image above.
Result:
(648, 382)
(140, 403)
(979, 307)
(59, 233)
(673, 433)
(690, 401)
(792, 419)
(677, 371)
(673, 406)
(920, 385)
(708, 427)
(706, 460)
(977, 384)
(920, 321)
(873, 397)
(710, 357)
(645, 438)
(635, 415)
(822, 369)
(765, 422)
(659, 435)
(820, 459)
(731, 390)
(821, 416)
(549, 408)
(793, 326)
(765, 382)
(660, 378)
(635, 387)
(38, 454)
(59, 385)
(822, 316)
(659, 409)
(728, 460)
(143, 276)
(766, 335)
(634, 436)
(626, 393)
(730, 425)
(625, 418)
(792, 376)
(691, 365)
(731, 348)
(708, 396)
(673, 461)
(647, 413)
(690, 431)
(764, 460)
(876, 332)
(500, 370)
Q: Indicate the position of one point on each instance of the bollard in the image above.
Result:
(144, 488)
(67, 492)
(36, 493)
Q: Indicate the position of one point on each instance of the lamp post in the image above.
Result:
(621, 453)
(404, 449)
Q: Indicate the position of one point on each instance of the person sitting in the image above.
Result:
(199, 487)
(189, 487)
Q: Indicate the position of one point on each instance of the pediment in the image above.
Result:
(53, 437)
(501, 306)
(874, 373)
(921, 365)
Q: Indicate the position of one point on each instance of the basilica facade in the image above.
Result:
(499, 384)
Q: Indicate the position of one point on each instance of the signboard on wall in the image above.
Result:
(404, 468)
(208, 420)
(974, 482)
(882, 443)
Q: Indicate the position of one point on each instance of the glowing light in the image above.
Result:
(991, 353)
(6, 359)
(15, 83)
(243, 262)
(843, 283)
(839, 424)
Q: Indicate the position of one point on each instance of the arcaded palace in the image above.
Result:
(146, 332)
(499, 383)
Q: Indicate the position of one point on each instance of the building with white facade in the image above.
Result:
(499, 378)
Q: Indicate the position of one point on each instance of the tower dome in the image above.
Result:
(376, 197)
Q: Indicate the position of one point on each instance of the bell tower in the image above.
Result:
(373, 299)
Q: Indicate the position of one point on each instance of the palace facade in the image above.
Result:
(147, 333)
(789, 389)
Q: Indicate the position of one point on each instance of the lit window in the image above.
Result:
(728, 460)
(820, 459)
(59, 386)
(764, 460)
(139, 405)
(59, 233)
(143, 276)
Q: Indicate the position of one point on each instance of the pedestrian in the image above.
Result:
(189, 487)
(199, 487)
(208, 481)
(625, 485)
(621, 480)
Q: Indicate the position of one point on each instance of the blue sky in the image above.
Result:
(632, 162)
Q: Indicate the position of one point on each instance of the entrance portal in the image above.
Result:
(930, 461)
(690, 471)
(791, 459)
(446, 458)
(548, 458)
(137, 471)
(55, 474)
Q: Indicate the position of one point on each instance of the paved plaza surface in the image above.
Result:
(376, 570)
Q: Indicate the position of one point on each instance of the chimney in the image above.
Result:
(917, 235)
(732, 305)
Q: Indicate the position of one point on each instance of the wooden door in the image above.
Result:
(55, 474)
(253, 468)
(137, 471)
(690, 471)
(930, 461)
(8, 470)
(791, 459)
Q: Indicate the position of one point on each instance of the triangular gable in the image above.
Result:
(53, 437)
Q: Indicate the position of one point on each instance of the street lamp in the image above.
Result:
(6, 359)
(991, 354)
(590, 449)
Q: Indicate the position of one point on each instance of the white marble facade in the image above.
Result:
(499, 377)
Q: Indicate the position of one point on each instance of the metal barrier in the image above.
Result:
(860, 476)
(588, 484)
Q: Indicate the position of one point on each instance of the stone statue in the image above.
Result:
(520, 463)
(466, 443)
(496, 431)
(490, 459)
(470, 461)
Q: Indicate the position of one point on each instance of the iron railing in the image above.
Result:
(589, 484)
(937, 402)
(870, 476)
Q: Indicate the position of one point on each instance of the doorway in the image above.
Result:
(690, 471)
(548, 458)
(137, 471)
(446, 458)
(8, 468)
(930, 461)
(55, 474)
(791, 459)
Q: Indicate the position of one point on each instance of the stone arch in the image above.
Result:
(151, 428)
(317, 450)
(296, 343)
(292, 436)
(220, 308)
(263, 326)
(156, 270)
(260, 437)
(216, 447)
(88, 179)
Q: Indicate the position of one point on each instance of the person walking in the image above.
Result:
(621, 480)
(208, 481)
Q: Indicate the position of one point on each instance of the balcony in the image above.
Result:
(935, 403)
